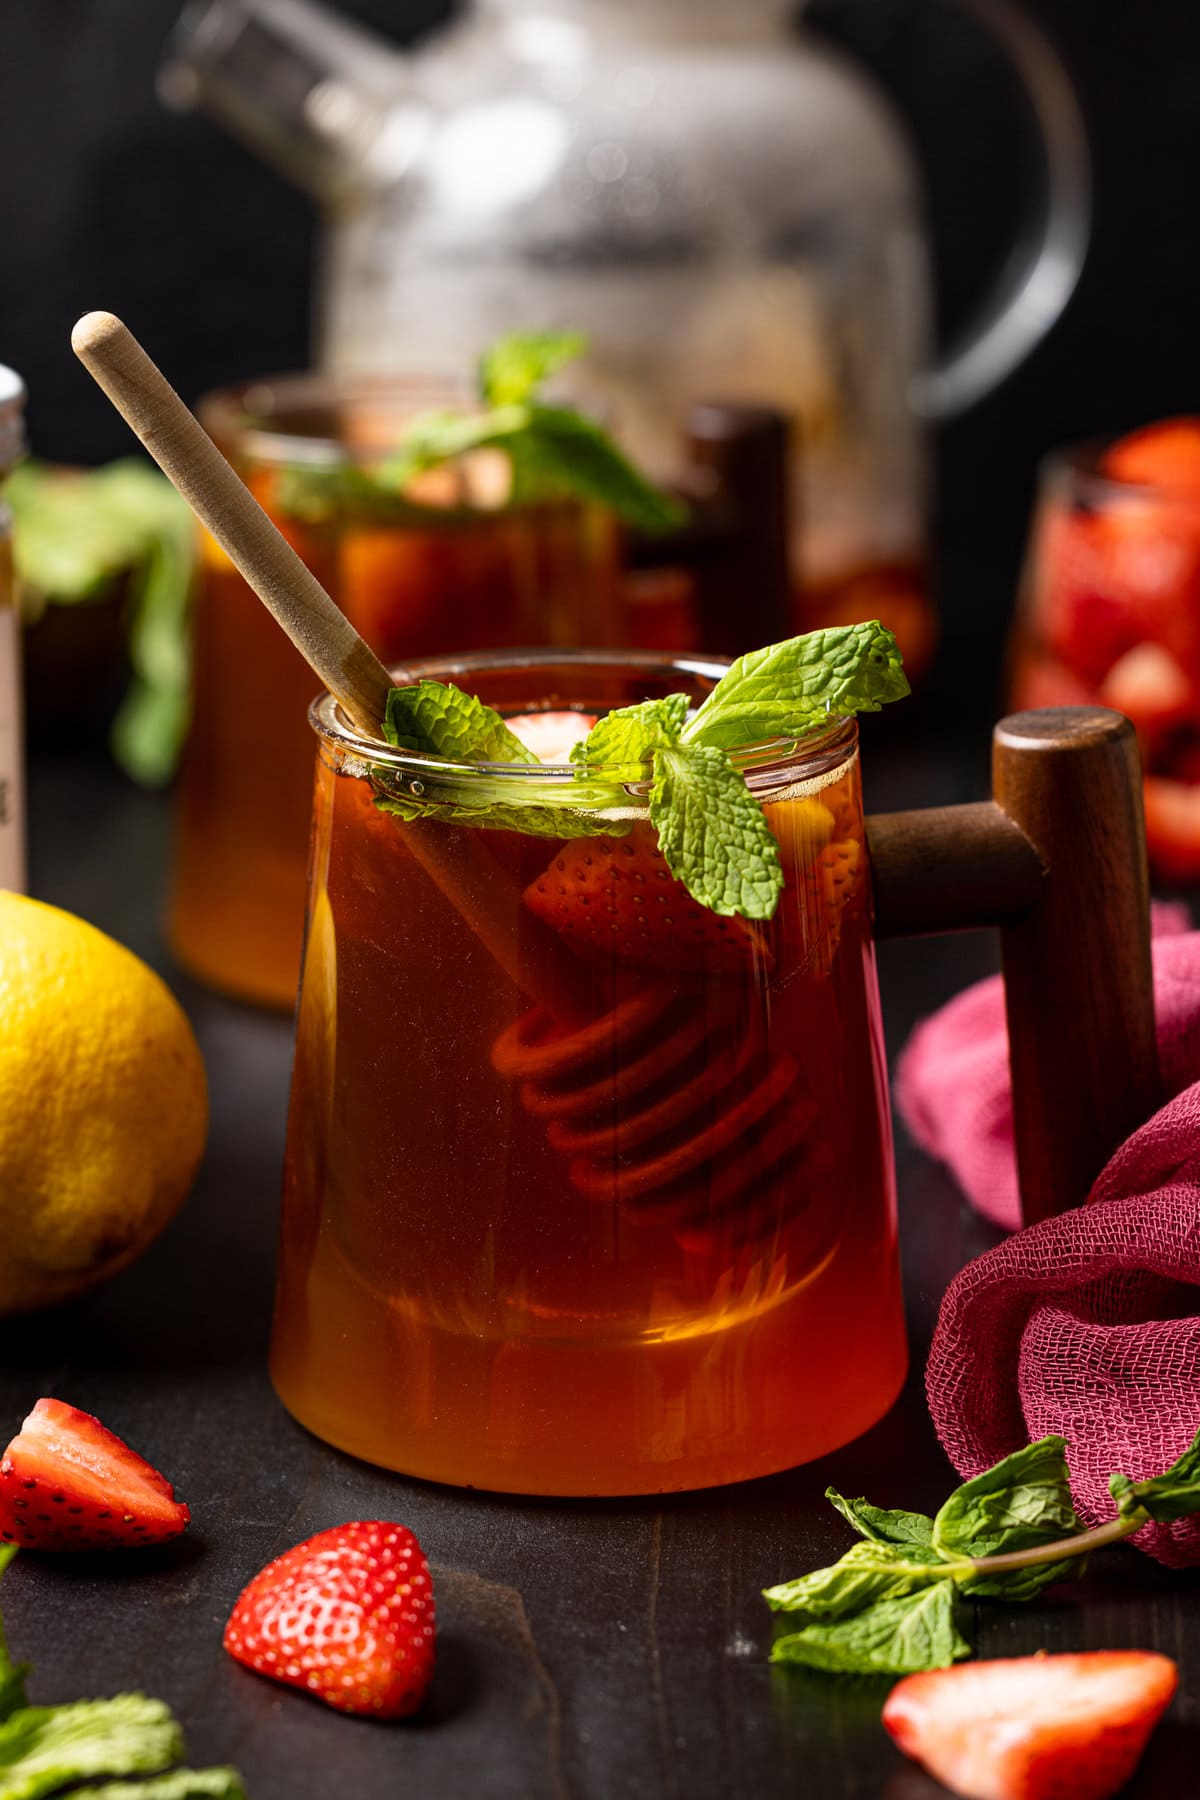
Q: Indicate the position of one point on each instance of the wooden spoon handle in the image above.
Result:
(187, 455)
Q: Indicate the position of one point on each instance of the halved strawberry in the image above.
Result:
(348, 1616)
(1165, 455)
(1150, 688)
(1033, 1727)
(68, 1483)
(551, 735)
(1172, 828)
(617, 897)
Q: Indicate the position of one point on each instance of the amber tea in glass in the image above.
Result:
(582, 1181)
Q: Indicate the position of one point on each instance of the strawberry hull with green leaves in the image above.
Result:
(639, 1162)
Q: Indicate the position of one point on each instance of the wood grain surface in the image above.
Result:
(588, 1650)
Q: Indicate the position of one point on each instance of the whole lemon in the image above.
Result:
(103, 1105)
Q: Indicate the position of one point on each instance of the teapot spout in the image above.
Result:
(324, 101)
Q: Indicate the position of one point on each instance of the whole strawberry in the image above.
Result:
(347, 1615)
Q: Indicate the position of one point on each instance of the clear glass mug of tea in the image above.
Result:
(582, 1180)
(446, 565)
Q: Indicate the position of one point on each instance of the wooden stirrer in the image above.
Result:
(187, 455)
(460, 866)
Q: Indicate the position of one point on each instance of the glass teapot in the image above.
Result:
(726, 208)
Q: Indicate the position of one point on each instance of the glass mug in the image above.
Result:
(1110, 613)
(581, 1180)
(446, 567)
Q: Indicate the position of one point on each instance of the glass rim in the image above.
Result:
(245, 410)
(763, 763)
(1078, 465)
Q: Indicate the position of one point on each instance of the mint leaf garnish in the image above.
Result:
(516, 365)
(793, 688)
(903, 1530)
(888, 1605)
(713, 833)
(554, 452)
(897, 1636)
(630, 736)
(1172, 1495)
(435, 719)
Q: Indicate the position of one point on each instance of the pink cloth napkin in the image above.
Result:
(951, 1086)
(1087, 1323)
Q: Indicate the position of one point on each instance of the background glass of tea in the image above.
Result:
(1110, 614)
(444, 566)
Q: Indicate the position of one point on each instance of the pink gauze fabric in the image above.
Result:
(1086, 1324)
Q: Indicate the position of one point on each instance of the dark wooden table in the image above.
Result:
(590, 1650)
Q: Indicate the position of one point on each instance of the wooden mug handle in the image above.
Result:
(1056, 860)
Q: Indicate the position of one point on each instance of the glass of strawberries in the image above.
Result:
(1110, 613)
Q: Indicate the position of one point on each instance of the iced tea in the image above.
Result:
(443, 568)
(584, 1183)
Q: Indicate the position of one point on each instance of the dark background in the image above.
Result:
(107, 200)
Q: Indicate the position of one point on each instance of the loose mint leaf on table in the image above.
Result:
(12, 1675)
(1023, 1503)
(792, 688)
(867, 1573)
(516, 365)
(713, 833)
(434, 719)
(180, 1784)
(44, 1747)
(1175, 1494)
(903, 1530)
(897, 1636)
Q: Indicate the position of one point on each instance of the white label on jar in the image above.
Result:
(12, 791)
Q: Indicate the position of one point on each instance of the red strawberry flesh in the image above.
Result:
(68, 1483)
(1033, 1727)
(348, 1616)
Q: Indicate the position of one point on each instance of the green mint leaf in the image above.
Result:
(576, 456)
(1022, 1503)
(868, 1572)
(12, 1675)
(897, 1636)
(1174, 1494)
(713, 833)
(903, 1530)
(628, 737)
(792, 688)
(44, 1747)
(434, 719)
(500, 815)
(439, 437)
(180, 1784)
(516, 365)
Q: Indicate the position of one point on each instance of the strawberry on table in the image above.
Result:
(68, 1483)
(348, 1616)
(1033, 1727)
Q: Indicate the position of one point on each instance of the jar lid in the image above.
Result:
(12, 418)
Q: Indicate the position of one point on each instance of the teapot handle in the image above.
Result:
(1057, 859)
(1041, 274)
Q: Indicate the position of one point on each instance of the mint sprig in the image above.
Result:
(712, 831)
(553, 451)
(888, 1606)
